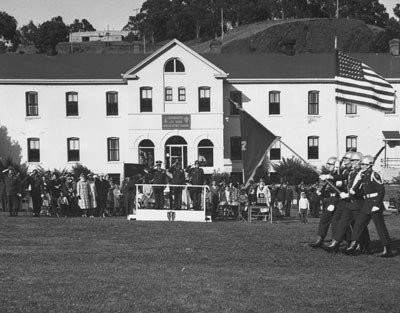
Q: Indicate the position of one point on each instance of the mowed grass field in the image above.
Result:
(115, 265)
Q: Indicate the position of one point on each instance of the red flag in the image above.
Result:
(256, 142)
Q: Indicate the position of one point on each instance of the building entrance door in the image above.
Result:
(175, 150)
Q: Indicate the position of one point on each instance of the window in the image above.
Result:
(72, 103)
(235, 96)
(313, 102)
(31, 103)
(181, 94)
(113, 149)
(204, 99)
(146, 153)
(313, 153)
(274, 102)
(351, 108)
(174, 65)
(73, 149)
(33, 150)
(146, 99)
(206, 153)
(351, 143)
(275, 151)
(112, 103)
(168, 94)
(236, 148)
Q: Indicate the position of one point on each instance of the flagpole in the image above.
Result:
(311, 167)
(336, 102)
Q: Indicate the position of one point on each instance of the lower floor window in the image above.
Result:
(33, 150)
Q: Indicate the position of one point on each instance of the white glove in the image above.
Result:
(18, 194)
(352, 192)
(339, 183)
(324, 177)
(330, 208)
(374, 209)
(318, 192)
(343, 195)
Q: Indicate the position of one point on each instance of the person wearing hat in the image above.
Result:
(36, 192)
(196, 177)
(159, 178)
(13, 191)
(177, 175)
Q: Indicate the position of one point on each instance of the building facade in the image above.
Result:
(104, 111)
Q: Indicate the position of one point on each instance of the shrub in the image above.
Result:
(295, 171)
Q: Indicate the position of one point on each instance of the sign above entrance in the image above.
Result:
(175, 121)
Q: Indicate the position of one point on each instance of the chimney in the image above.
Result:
(394, 45)
(215, 46)
(288, 46)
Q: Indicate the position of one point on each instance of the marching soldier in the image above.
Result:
(371, 185)
(329, 202)
(159, 178)
(352, 201)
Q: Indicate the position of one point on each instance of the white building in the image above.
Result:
(102, 35)
(107, 110)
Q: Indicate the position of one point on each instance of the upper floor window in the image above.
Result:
(33, 150)
(313, 102)
(236, 148)
(351, 108)
(32, 103)
(275, 151)
(112, 102)
(73, 149)
(146, 99)
(274, 102)
(351, 143)
(236, 97)
(168, 94)
(113, 149)
(174, 65)
(206, 153)
(72, 103)
(313, 148)
(181, 94)
(204, 99)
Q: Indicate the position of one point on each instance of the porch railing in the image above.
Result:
(390, 162)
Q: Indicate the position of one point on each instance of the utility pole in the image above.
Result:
(337, 8)
(222, 24)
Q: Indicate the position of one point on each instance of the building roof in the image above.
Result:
(239, 66)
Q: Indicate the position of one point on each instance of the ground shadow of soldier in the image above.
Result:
(376, 246)
(9, 148)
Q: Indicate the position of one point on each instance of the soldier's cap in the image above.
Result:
(158, 162)
(196, 162)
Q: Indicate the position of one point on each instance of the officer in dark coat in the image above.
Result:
(371, 186)
(159, 178)
(177, 175)
(196, 176)
(102, 188)
(13, 191)
(36, 192)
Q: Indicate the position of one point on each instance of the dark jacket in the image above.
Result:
(196, 175)
(13, 185)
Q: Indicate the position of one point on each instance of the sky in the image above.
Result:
(103, 14)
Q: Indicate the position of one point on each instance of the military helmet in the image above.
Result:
(367, 160)
(331, 161)
(356, 156)
(348, 155)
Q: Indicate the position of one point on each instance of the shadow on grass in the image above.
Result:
(376, 246)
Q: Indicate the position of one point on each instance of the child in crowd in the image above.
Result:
(63, 204)
(304, 207)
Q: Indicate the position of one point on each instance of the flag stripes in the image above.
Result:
(357, 83)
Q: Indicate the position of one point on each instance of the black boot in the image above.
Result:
(365, 249)
(317, 244)
(386, 253)
(353, 249)
(333, 247)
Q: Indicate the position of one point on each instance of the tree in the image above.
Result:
(50, 33)
(29, 34)
(392, 30)
(295, 171)
(8, 26)
(83, 25)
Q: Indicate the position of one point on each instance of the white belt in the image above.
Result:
(371, 195)
(333, 194)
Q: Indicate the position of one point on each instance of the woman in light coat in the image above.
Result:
(84, 194)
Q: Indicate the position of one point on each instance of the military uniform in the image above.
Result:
(196, 175)
(373, 191)
(159, 177)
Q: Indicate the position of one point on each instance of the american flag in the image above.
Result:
(357, 83)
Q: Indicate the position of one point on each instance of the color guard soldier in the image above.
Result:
(371, 185)
(329, 196)
(352, 201)
(159, 178)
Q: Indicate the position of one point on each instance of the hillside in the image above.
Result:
(307, 35)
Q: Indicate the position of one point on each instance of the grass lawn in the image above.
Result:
(115, 265)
